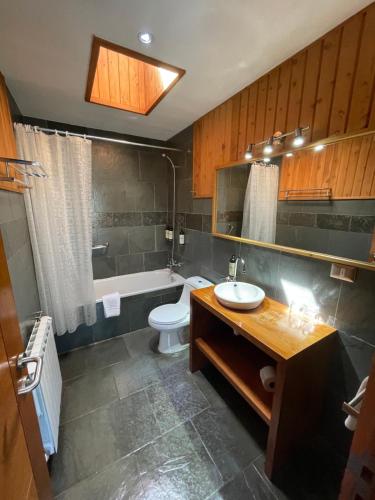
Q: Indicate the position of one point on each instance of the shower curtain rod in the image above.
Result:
(107, 139)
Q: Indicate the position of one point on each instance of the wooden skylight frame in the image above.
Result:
(124, 79)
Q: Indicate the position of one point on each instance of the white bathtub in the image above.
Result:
(137, 283)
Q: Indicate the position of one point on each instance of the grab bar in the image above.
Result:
(100, 249)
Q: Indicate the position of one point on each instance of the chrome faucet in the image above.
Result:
(173, 263)
(234, 278)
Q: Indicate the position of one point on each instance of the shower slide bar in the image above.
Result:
(106, 139)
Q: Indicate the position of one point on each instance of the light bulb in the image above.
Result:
(319, 147)
(289, 155)
(268, 148)
(266, 159)
(298, 138)
(249, 152)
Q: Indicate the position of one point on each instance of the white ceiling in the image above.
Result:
(222, 44)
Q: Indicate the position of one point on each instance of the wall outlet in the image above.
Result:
(344, 273)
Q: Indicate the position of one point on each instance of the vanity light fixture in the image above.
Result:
(249, 152)
(298, 137)
(319, 147)
(268, 148)
(145, 37)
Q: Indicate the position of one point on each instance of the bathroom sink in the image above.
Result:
(238, 295)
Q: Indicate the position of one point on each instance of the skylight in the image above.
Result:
(124, 79)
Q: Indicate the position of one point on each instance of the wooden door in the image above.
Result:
(23, 469)
(359, 477)
(16, 475)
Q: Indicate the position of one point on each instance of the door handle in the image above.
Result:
(27, 383)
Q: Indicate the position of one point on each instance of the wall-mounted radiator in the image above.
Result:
(47, 396)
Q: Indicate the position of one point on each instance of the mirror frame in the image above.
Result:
(281, 248)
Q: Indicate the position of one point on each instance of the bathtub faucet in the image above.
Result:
(173, 263)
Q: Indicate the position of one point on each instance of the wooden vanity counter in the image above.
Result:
(240, 343)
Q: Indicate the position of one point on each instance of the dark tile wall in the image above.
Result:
(341, 228)
(349, 307)
(133, 316)
(16, 238)
(130, 188)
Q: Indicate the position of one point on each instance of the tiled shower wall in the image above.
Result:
(350, 307)
(130, 189)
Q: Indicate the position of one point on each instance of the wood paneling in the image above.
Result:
(7, 140)
(124, 79)
(346, 167)
(328, 86)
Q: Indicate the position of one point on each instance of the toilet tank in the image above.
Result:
(190, 284)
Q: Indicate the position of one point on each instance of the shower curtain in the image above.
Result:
(260, 206)
(59, 218)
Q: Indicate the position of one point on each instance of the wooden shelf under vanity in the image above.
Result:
(240, 343)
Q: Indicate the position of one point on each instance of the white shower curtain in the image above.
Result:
(260, 207)
(59, 218)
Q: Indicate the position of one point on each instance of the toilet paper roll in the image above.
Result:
(268, 378)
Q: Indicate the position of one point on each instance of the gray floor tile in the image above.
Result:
(89, 443)
(88, 392)
(259, 486)
(140, 342)
(135, 374)
(81, 361)
(236, 489)
(229, 443)
(256, 471)
(174, 367)
(176, 466)
(175, 400)
(208, 390)
(119, 481)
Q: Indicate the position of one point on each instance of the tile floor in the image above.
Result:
(138, 425)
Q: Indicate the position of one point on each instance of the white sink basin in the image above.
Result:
(238, 295)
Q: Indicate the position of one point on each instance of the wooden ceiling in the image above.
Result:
(124, 79)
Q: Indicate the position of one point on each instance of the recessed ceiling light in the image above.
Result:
(319, 147)
(145, 37)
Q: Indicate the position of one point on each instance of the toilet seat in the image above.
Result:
(169, 314)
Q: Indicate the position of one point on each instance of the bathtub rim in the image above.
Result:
(179, 282)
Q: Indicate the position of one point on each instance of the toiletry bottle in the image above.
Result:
(181, 237)
(167, 232)
(232, 267)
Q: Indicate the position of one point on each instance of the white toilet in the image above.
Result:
(170, 319)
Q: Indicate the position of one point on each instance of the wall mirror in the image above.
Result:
(317, 201)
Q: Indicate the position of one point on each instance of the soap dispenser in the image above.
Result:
(232, 267)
